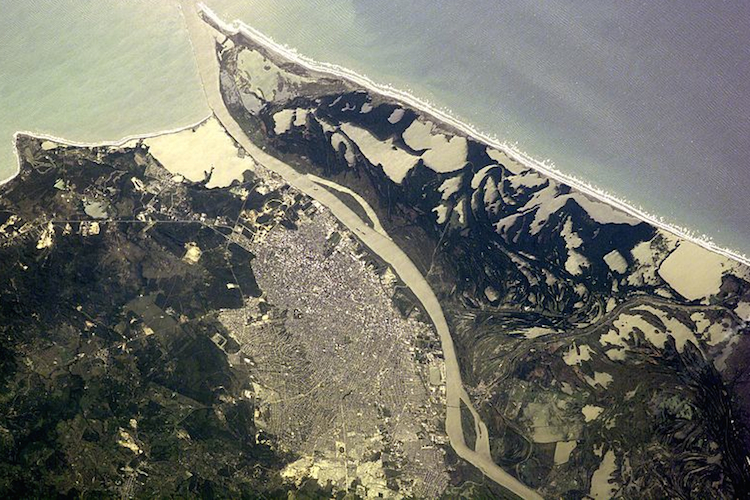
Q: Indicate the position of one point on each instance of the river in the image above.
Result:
(203, 43)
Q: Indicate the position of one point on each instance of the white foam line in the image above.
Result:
(116, 143)
(545, 167)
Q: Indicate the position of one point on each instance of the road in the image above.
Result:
(202, 38)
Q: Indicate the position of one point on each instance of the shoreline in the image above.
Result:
(202, 35)
(79, 144)
(544, 167)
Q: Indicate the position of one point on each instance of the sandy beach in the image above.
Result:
(116, 144)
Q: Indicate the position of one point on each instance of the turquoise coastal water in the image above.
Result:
(650, 101)
(94, 71)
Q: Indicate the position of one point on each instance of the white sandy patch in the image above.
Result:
(443, 154)
(441, 212)
(337, 139)
(282, 121)
(327, 127)
(743, 311)
(598, 211)
(712, 333)
(591, 412)
(625, 326)
(642, 253)
(127, 441)
(647, 257)
(450, 186)
(476, 180)
(300, 117)
(511, 165)
(396, 116)
(263, 77)
(545, 202)
(701, 321)
(192, 253)
(460, 210)
(576, 355)
(563, 449)
(491, 193)
(395, 161)
(602, 212)
(718, 334)
(286, 118)
(9, 223)
(677, 329)
(645, 265)
(694, 272)
(140, 187)
(601, 488)
(491, 294)
(538, 331)
(527, 179)
(572, 240)
(611, 304)
(617, 354)
(576, 262)
(602, 379)
(193, 153)
(616, 262)
(48, 145)
(46, 238)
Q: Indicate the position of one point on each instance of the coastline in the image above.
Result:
(204, 46)
(116, 143)
(544, 167)
(475, 450)
(512, 150)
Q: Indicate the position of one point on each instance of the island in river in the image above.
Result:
(325, 291)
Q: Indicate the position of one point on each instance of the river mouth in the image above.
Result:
(330, 289)
(206, 55)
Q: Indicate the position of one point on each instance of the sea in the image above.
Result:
(649, 101)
